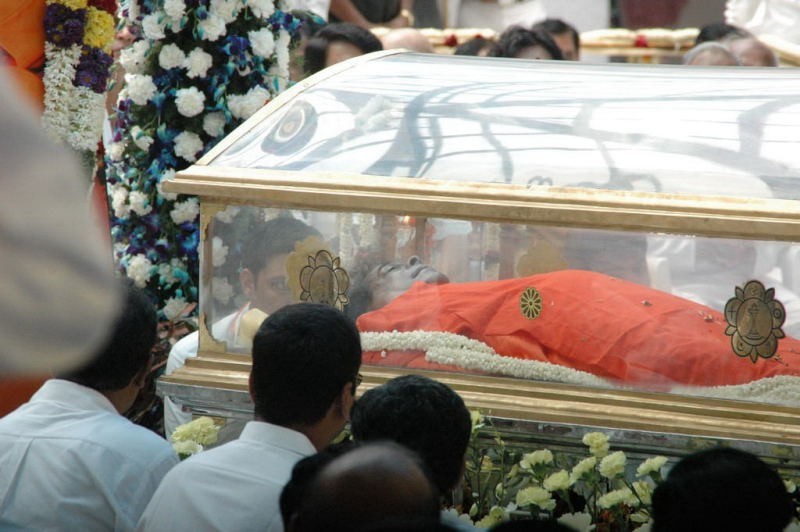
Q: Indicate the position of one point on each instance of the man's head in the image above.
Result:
(337, 42)
(122, 365)
(752, 52)
(376, 286)
(408, 38)
(263, 275)
(719, 31)
(422, 414)
(565, 36)
(707, 490)
(373, 487)
(522, 43)
(305, 368)
(710, 54)
(478, 46)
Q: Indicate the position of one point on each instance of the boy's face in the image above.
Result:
(271, 290)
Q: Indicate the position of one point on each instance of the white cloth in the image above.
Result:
(495, 15)
(233, 487)
(319, 7)
(225, 330)
(780, 18)
(58, 294)
(70, 461)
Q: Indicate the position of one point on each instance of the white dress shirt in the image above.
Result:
(232, 487)
(70, 461)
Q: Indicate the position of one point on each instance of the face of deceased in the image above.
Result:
(390, 280)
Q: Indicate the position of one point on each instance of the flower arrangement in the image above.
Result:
(201, 68)
(78, 38)
(603, 491)
(191, 438)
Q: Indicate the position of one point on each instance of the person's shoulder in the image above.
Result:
(184, 348)
(134, 442)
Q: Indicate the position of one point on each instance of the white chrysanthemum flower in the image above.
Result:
(212, 28)
(542, 456)
(495, 516)
(221, 290)
(537, 496)
(174, 307)
(790, 486)
(557, 481)
(141, 139)
(197, 63)
(116, 151)
(187, 144)
(202, 430)
(262, 42)
(261, 8)
(613, 465)
(581, 468)
(140, 88)
(620, 496)
(597, 443)
(648, 527)
(166, 176)
(281, 66)
(651, 465)
(171, 56)
(227, 10)
(152, 27)
(186, 448)
(185, 211)
(139, 203)
(577, 521)
(190, 101)
(119, 202)
(175, 9)
(228, 214)
(219, 252)
(133, 57)
(643, 491)
(139, 270)
(245, 105)
(214, 124)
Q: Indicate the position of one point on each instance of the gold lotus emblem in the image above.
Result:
(754, 319)
(530, 303)
(324, 281)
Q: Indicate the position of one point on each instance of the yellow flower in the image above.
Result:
(616, 497)
(557, 481)
(495, 516)
(476, 417)
(644, 491)
(99, 30)
(577, 521)
(543, 456)
(651, 465)
(790, 486)
(486, 464)
(534, 495)
(202, 430)
(583, 467)
(186, 448)
(72, 4)
(613, 465)
(597, 443)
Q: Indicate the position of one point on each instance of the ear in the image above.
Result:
(248, 281)
(250, 387)
(346, 400)
(140, 379)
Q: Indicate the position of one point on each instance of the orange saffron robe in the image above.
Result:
(591, 322)
(22, 41)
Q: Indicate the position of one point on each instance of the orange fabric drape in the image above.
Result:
(16, 391)
(22, 41)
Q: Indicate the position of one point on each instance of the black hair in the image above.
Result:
(472, 46)
(274, 237)
(718, 31)
(127, 351)
(303, 355)
(422, 414)
(516, 38)
(556, 26)
(303, 473)
(317, 47)
(721, 489)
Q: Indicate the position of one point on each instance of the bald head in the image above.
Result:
(371, 487)
(408, 38)
(752, 52)
(710, 54)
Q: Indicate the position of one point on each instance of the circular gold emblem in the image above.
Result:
(754, 319)
(530, 302)
(323, 281)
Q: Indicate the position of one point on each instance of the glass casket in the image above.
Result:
(569, 246)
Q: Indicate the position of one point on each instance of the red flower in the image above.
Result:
(451, 40)
(641, 42)
(110, 6)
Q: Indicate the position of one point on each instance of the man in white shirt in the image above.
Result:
(68, 459)
(263, 279)
(305, 371)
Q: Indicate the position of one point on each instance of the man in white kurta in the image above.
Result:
(305, 369)
(68, 459)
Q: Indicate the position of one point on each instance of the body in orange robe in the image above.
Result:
(22, 44)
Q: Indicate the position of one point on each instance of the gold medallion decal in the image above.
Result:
(324, 281)
(530, 302)
(754, 319)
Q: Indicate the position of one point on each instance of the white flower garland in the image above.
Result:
(457, 350)
(781, 390)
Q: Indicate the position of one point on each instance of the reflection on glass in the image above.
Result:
(582, 306)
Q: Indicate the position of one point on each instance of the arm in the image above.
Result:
(345, 11)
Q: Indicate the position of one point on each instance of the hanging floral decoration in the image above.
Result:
(78, 38)
(200, 69)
